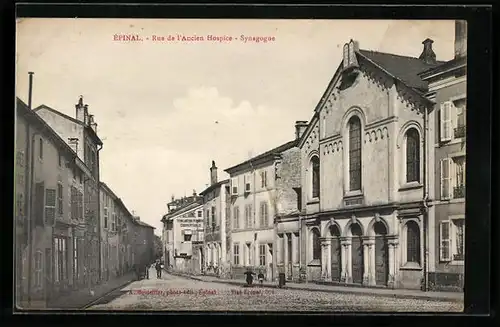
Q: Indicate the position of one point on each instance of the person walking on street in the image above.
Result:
(158, 269)
(261, 277)
(249, 278)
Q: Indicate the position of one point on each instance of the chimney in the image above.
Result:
(79, 109)
(213, 174)
(300, 128)
(86, 114)
(428, 55)
(194, 194)
(460, 38)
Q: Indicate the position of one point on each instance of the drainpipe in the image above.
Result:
(425, 199)
(30, 151)
(99, 213)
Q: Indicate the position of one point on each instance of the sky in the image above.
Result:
(165, 110)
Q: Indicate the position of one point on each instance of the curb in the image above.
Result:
(345, 291)
(95, 301)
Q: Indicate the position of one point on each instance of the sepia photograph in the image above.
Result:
(239, 165)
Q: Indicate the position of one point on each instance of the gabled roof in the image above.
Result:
(108, 190)
(143, 224)
(404, 68)
(214, 186)
(180, 211)
(456, 63)
(268, 155)
(92, 133)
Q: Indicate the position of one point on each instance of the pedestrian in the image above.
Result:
(261, 277)
(249, 278)
(146, 271)
(158, 269)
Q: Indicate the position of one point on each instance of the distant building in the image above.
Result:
(183, 234)
(447, 88)
(262, 188)
(142, 239)
(215, 208)
(116, 244)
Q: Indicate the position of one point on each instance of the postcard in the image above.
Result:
(237, 165)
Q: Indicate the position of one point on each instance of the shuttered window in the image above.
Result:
(236, 254)
(50, 205)
(445, 116)
(40, 203)
(445, 241)
(236, 218)
(264, 215)
(446, 167)
(60, 208)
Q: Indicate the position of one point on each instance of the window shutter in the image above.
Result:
(445, 241)
(445, 178)
(453, 178)
(446, 121)
(39, 203)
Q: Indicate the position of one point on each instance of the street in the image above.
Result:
(173, 293)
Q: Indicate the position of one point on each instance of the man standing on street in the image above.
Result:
(158, 269)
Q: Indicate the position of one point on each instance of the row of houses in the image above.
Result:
(71, 231)
(371, 191)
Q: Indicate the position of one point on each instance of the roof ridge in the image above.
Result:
(395, 55)
(263, 154)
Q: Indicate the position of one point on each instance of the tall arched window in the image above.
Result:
(315, 177)
(354, 154)
(316, 244)
(412, 156)
(412, 242)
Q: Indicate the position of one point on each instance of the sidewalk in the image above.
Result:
(82, 297)
(311, 286)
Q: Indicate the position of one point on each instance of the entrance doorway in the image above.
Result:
(336, 256)
(357, 254)
(381, 254)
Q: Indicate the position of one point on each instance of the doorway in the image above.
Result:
(336, 267)
(381, 254)
(357, 254)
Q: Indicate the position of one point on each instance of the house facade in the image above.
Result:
(257, 194)
(49, 212)
(447, 88)
(111, 225)
(363, 176)
(183, 235)
(142, 240)
(215, 212)
(81, 134)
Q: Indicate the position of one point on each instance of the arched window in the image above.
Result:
(315, 176)
(316, 244)
(412, 242)
(354, 154)
(412, 156)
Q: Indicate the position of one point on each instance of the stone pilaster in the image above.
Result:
(393, 274)
(325, 247)
(346, 259)
(368, 261)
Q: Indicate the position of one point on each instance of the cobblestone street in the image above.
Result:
(180, 294)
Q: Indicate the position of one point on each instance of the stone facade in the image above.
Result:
(261, 189)
(355, 223)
